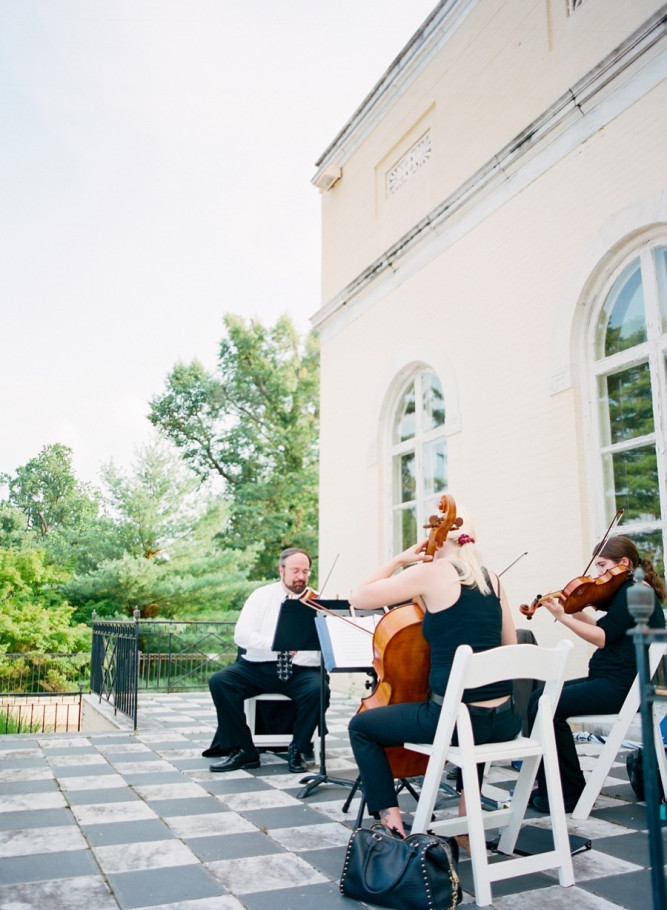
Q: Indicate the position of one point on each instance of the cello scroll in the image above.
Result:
(440, 525)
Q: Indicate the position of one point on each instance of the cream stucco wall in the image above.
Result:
(495, 297)
(487, 72)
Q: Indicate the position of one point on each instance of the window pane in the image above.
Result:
(404, 477)
(622, 324)
(634, 475)
(405, 528)
(405, 417)
(661, 271)
(626, 404)
(650, 544)
(435, 467)
(433, 402)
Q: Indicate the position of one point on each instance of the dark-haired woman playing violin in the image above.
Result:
(464, 604)
(611, 669)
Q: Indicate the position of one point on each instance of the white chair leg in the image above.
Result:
(477, 837)
(249, 706)
(427, 796)
(556, 806)
(520, 797)
(615, 739)
(607, 756)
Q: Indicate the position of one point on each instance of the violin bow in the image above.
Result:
(319, 608)
(311, 600)
(612, 524)
(326, 580)
(513, 563)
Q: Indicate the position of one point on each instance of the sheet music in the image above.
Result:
(343, 646)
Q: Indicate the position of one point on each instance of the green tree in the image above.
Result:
(172, 561)
(254, 421)
(36, 621)
(14, 531)
(48, 493)
(34, 615)
(57, 513)
(157, 502)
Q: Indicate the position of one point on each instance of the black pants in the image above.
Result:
(373, 730)
(244, 679)
(579, 696)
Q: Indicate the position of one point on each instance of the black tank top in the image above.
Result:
(476, 620)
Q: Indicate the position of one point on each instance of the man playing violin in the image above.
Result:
(259, 671)
(463, 603)
(611, 669)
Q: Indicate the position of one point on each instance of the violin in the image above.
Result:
(584, 591)
(402, 656)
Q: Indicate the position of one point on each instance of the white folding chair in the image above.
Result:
(264, 740)
(468, 671)
(615, 739)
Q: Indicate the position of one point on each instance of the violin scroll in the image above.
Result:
(529, 610)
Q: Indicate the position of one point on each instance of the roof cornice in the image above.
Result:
(561, 127)
(436, 30)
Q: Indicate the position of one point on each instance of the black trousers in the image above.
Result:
(374, 729)
(244, 679)
(579, 696)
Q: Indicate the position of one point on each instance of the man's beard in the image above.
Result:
(297, 588)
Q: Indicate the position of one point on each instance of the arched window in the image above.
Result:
(630, 369)
(419, 457)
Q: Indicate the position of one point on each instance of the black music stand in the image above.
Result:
(296, 631)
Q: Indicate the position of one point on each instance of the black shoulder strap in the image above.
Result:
(490, 581)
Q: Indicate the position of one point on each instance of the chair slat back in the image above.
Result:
(510, 662)
(470, 670)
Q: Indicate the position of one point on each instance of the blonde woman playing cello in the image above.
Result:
(463, 603)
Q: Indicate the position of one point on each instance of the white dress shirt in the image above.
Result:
(256, 626)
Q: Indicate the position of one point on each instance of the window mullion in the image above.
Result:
(627, 444)
(622, 359)
(419, 442)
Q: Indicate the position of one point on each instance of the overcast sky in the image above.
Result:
(155, 167)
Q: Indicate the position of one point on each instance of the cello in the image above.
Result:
(401, 654)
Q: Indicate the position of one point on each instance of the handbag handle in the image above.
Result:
(378, 842)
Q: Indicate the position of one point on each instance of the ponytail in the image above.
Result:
(619, 546)
(652, 578)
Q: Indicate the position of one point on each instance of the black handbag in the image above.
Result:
(413, 873)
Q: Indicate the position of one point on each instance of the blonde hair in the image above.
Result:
(468, 560)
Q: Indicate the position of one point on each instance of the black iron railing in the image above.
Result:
(31, 672)
(42, 693)
(181, 656)
(114, 664)
(157, 656)
(41, 712)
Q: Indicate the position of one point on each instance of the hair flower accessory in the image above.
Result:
(465, 538)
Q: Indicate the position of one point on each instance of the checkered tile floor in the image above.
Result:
(136, 820)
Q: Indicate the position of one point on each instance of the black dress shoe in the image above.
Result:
(237, 758)
(295, 760)
(214, 752)
(541, 804)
